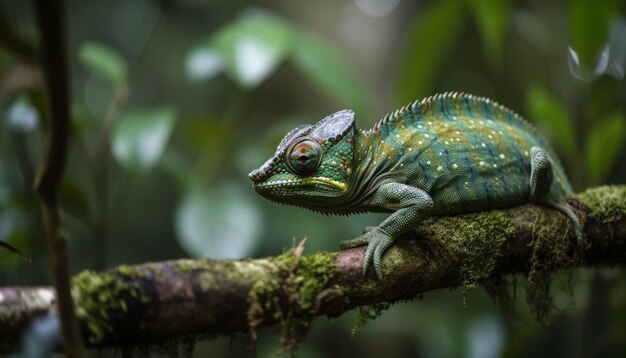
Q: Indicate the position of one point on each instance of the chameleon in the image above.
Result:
(448, 154)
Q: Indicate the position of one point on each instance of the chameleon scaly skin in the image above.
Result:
(448, 154)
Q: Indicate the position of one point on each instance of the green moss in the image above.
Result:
(289, 293)
(471, 242)
(606, 203)
(552, 250)
(314, 272)
(100, 298)
(365, 314)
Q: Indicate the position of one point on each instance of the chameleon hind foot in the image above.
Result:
(541, 177)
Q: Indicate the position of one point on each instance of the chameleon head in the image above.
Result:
(312, 162)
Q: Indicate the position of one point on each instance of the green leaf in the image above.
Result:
(218, 224)
(492, 19)
(327, 69)
(431, 39)
(604, 144)
(549, 113)
(104, 61)
(589, 28)
(140, 137)
(249, 50)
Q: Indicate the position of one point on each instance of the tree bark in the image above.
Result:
(143, 304)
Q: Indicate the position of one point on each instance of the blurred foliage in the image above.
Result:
(251, 48)
(174, 102)
(604, 144)
(432, 38)
(104, 61)
(552, 115)
(492, 19)
(589, 26)
(139, 140)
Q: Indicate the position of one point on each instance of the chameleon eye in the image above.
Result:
(304, 157)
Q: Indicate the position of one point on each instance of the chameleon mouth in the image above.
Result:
(303, 181)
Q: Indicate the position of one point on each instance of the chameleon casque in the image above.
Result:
(447, 154)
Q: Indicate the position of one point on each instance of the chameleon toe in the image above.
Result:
(356, 242)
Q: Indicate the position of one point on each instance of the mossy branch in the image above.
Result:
(143, 304)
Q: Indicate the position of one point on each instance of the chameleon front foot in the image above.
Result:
(377, 241)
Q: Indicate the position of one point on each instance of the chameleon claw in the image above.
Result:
(369, 254)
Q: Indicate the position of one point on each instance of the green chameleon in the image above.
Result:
(448, 154)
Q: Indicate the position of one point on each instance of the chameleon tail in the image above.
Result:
(578, 230)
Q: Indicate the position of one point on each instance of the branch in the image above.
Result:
(49, 17)
(143, 304)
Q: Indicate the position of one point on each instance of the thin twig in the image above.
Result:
(15, 250)
(100, 169)
(49, 17)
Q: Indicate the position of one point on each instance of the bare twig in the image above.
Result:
(14, 250)
(100, 171)
(148, 303)
(49, 17)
